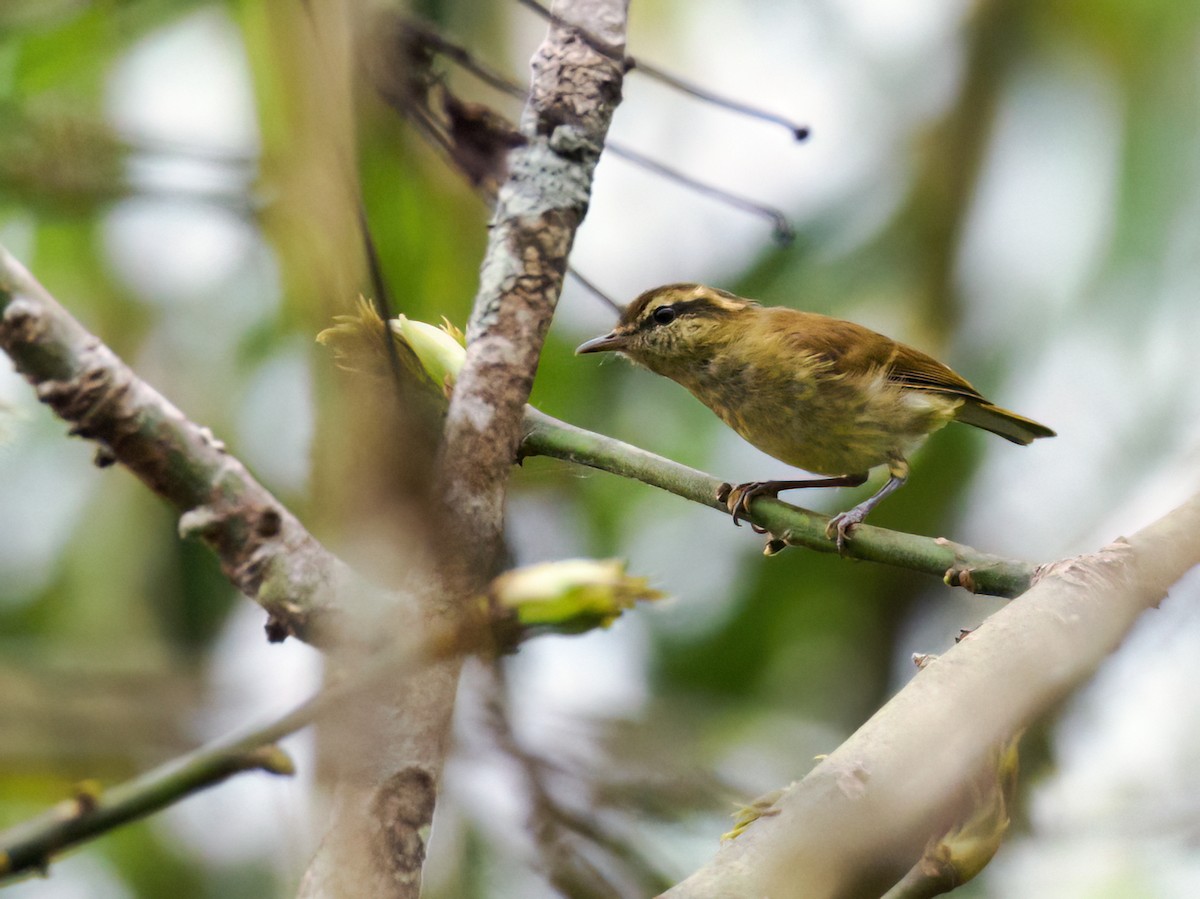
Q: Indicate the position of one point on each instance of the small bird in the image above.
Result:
(821, 394)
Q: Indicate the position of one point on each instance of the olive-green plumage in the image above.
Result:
(824, 395)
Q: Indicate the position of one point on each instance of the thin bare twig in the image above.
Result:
(594, 290)
(782, 232)
(558, 831)
(798, 132)
(33, 844)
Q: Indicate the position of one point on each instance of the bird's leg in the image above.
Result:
(842, 523)
(737, 497)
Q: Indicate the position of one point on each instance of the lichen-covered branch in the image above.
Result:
(574, 91)
(263, 549)
(861, 817)
(381, 815)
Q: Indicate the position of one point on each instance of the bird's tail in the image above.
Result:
(1008, 425)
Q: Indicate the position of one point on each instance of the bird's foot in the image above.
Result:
(842, 524)
(737, 499)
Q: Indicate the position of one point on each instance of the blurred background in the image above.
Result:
(1013, 187)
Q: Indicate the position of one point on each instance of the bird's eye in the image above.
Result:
(664, 315)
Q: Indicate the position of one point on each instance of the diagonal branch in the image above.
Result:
(263, 549)
(957, 564)
(33, 845)
(862, 816)
(568, 597)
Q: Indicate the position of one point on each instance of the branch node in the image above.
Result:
(278, 628)
(211, 439)
(22, 321)
(269, 523)
(402, 807)
(92, 400)
(961, 577)
(202, 522)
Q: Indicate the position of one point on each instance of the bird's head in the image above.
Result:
(670, 328)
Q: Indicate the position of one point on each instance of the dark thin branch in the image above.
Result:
(465, 59)
(782, 231)
(594, 290)
(798, 132)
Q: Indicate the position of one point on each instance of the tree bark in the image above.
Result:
(860, 819)
(385, 801)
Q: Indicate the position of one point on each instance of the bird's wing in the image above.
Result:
(914, 369)
(853, 350)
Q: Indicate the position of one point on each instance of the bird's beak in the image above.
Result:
(607, 343)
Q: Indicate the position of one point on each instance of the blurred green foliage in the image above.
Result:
(810, 642)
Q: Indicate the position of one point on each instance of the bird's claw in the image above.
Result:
(840, 526)
(737, 500)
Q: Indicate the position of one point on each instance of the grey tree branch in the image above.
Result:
(574, 92)
(375, 843)
(263, 549)
(861, 817)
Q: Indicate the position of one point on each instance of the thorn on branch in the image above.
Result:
(270, 758)
(774, 546)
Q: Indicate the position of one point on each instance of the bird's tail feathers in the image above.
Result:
(1008, 425)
